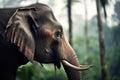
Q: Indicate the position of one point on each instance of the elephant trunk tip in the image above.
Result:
(77, 68)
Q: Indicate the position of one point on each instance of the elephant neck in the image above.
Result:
(10, 60)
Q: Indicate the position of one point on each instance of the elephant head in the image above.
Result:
(39, 36)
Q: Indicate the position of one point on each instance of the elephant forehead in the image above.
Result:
(44, 16)
(48, 17)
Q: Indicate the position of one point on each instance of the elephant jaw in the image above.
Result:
(77, 68)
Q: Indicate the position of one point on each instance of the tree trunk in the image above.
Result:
(101, 43)
(69, 21)
(86, 27)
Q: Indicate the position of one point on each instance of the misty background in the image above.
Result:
(86, 46)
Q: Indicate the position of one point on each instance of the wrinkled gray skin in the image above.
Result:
(40, 37)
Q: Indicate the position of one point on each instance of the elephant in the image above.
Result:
(32, 33)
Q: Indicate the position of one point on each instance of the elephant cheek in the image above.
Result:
(42, 55)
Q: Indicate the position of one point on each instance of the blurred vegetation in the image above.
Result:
(34, 71)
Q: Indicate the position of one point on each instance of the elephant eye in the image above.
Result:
(58, 34)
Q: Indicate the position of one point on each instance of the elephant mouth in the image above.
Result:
(77, 68)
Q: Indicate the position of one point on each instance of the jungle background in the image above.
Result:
(93, 31)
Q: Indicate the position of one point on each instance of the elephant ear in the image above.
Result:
(18, 32)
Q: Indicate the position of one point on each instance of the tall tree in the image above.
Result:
(86, 27)
(69, 20)
(101, 42)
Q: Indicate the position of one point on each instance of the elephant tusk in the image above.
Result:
(78, 68)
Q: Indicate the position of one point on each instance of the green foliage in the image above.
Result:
(35, 71)
(49, 73)
(115, 54)
(28, 72)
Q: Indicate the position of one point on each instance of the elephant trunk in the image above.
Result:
(72, 73)
(70, 62)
